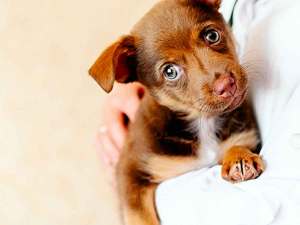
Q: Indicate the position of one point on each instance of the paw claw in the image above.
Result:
(241, 164)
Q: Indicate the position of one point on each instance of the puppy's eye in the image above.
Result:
(211, 36)
(172, 71)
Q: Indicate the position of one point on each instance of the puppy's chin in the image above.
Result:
(237, 101)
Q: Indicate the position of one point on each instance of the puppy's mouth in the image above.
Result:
(230, 103)
(236, 100)
(225, 105)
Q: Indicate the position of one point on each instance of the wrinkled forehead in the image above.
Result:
(171, 25)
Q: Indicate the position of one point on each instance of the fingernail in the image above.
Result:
(102, 129)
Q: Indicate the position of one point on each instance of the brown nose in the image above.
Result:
(224, 86)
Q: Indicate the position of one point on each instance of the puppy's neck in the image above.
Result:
(201, 130)
(209, 142)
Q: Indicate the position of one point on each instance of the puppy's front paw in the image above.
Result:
(240, 164)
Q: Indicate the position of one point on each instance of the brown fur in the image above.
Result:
(164, 140)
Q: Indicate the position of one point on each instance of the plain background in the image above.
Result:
(50, 109)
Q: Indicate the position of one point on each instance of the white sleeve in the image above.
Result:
(226, 8)
(204, 198)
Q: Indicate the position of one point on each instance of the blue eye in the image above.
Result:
(172, 71)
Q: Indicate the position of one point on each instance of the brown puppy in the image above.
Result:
(193, 115)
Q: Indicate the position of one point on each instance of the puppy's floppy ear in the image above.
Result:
(116, 63)
(212, 3)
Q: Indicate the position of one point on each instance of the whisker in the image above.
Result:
(254, 67)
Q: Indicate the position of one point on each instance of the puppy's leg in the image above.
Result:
(137, 187)
(140, 208)
(162, 168)
(238, 162)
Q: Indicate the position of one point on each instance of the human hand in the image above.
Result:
(120, 108)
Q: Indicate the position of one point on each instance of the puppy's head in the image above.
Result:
(183, 52)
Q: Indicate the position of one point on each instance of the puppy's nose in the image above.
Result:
(224, 86)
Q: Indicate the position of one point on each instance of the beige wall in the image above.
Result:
(50, 109)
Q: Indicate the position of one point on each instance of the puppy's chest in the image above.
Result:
(190, 138)
(208, 150)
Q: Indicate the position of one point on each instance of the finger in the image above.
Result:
(110, 150)
(111, 178)
(105, 148)
(131, 107)
(100, 149)
(129, 102)
(117, 129)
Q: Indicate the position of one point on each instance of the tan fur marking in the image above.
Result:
(166, 167)
(246, 139)
(149, 217)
